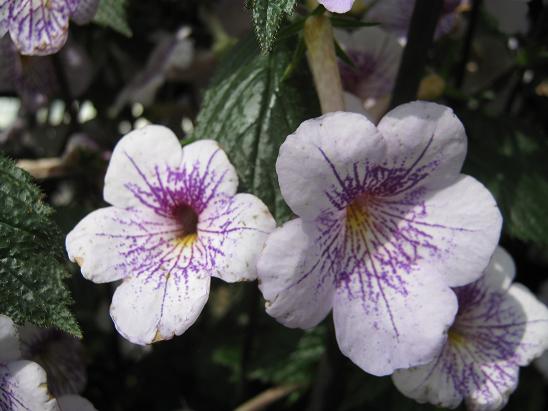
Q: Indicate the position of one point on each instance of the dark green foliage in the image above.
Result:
(267, 17)
(250, 108)
(509, 160)
(112, 13)
(31, 256)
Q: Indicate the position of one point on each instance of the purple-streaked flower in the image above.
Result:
(387, 224)
(175, 222)
(337, 6)
(376, 55)
(395, 15)
(61, 355)
(34, 78)
(40, 27)
(22, 383)
(499, 327)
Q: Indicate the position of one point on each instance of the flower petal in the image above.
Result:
(317, 165)
(385, 322)
(40, 27)
(428, 140)
(337, 6)
(192, 176)
(110, 244)
(457, 229)
(499, 328)
(85, 11)
(235, 230)
(207, 167)
(136, 175)
(296, 273)
(74, 403)
(24, 388)
(146, 310)
(9, 340)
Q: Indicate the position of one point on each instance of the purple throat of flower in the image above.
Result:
(187, 221)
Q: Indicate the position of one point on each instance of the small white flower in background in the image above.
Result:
(175, 222)
(387, 224)
(23, 384)
(376, 55)
(500, 327)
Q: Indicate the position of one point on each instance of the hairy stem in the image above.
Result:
(322, 59)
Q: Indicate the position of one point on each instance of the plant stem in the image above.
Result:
(419, 40)
(322, 59)
(467, 47)
(266, 398)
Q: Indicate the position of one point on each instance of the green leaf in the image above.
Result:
(32, 271)
(510, 160)
(250, 108)
(112, 13)
(267, 17)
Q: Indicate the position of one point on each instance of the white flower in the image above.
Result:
(175, 222)
(500, 327)
(387, 224)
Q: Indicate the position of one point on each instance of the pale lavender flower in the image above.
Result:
(376, 55)
(387, 224)
(337, 6)
(175, 222)
(500, 327)
(395, 15)
(40, 27)
(22, 383)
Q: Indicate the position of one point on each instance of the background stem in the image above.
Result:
(419, 40)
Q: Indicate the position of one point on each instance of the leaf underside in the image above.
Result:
(32, 271)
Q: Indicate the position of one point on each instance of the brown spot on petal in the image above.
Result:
(79, 261)
(158, 337)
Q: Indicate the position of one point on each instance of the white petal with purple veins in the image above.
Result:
(453, 231)
(234, 231)
(499, 327)
(40, 27)
(23, 387)
(110, 244)
(427, 140)
(137, 172)
(151, 308)
(9, 340)
(386, 320)
(316, 164)
(297, 272)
